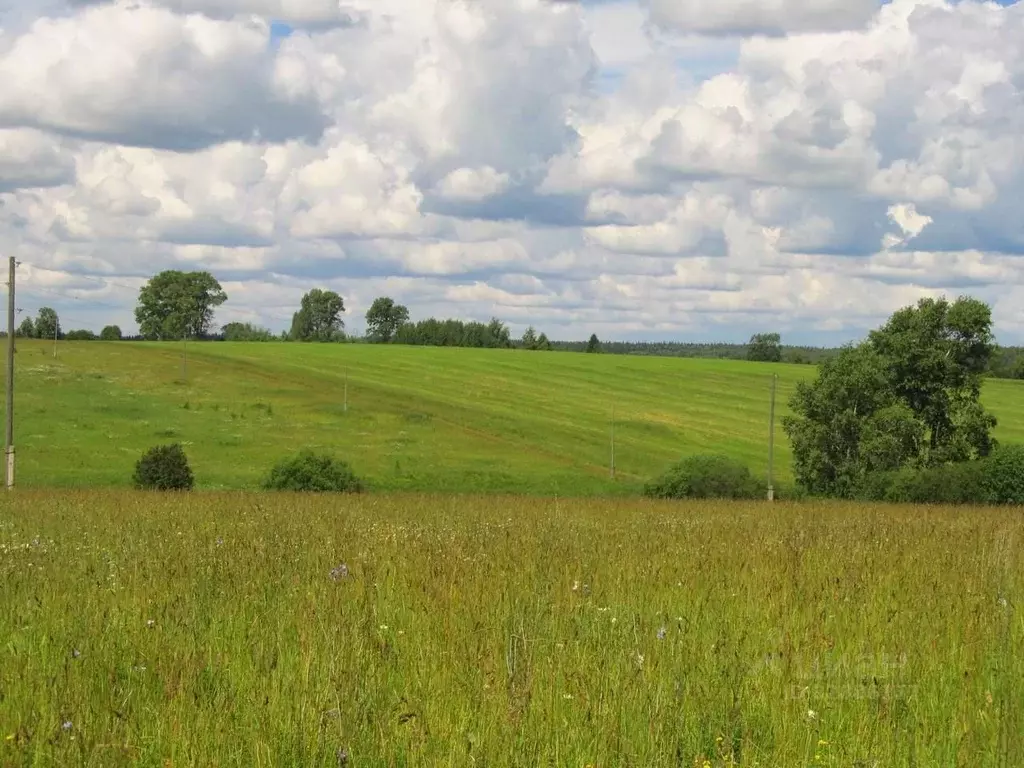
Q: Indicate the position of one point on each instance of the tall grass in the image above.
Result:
(221, 630)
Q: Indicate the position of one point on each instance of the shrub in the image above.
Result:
(705, 477)
(80, 335)
(309, 471)
(111, 333)
(1004, 475)
(164, 468)
(959, 483)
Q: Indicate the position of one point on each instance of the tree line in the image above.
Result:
(174, 305)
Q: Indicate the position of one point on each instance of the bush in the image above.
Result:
(310, 471)
(164, 468)
(705, 477)
(80, 335)
(959, 483)
(111, 333)
(1004, 475)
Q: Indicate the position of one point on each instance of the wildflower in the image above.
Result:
(812, 715)
(342, 757)
(75, 653)
(339, 572)
(661, 633)
(220, 541)
(150, 623)
(575, 586)
(66, 725)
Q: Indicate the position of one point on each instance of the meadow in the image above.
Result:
(415, 418)
(241, 629)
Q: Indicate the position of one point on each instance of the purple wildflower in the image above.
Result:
(661, 633)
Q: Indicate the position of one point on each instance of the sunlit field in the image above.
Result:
(234, 629)
(414, 418)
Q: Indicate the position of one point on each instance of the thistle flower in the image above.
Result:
(661, 633)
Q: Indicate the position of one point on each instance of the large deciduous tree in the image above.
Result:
(765, 348)
(384, 318)
(319, 317)
(47, 325)
(908, 396)
(176, 305)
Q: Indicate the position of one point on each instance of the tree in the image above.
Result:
(319, 317)
(594, 344)
(80, 335)
(765, 348)
(529, 340)
(937, 353)
(245, 332)
(111, 333)
(384, 318)
(909, 396)
(47, 324)
(27, 329)
(175, 305)
(543, 343)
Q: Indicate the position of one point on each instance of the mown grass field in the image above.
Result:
(207, 629)
(418, 419)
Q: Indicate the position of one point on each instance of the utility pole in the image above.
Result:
(184, 357)
(771, 440)
(56, 326)
(9, 433)
(345, 407)
(613, 442)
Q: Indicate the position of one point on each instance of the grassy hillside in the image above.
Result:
(417, 419)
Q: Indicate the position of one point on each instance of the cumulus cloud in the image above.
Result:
(706, 173)
(774, 17)
(148, 77)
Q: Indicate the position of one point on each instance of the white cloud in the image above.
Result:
(148, 77)
(575, 167)
(473, 183)
(763, 16)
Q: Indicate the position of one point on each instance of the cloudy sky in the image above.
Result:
(643, 169)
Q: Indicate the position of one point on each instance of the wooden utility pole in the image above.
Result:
(771, 440)
(9, 432)
(345, 407)
(613, 442)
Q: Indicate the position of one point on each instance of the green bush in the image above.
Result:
(705, 477)
(164, 468)
(309, 471)
(959, 483)
(1004, 475)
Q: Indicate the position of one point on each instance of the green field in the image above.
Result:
(418, 419)
(206, 629)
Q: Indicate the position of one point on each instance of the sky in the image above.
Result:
(643, 169)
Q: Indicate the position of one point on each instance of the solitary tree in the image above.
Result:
(111, 333)
(529, 340)
(543, 343)
(47, 324)
(594, 344)
(319, 317)
(27, 329)
(908, 396)
(765, 348)
(175, 305)
(384, 318)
